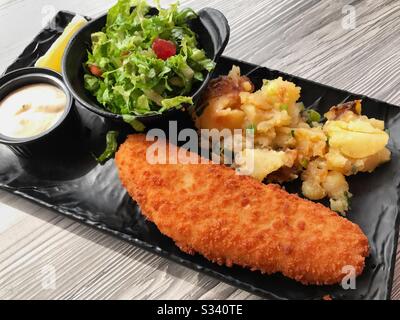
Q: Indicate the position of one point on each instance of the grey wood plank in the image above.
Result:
(305, 38)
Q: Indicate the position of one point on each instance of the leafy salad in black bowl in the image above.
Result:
(137, 63)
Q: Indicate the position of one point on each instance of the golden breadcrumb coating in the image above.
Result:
(232, 219)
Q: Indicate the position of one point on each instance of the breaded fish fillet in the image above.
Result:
(232, 219)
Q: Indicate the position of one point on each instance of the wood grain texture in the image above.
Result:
(305, 38)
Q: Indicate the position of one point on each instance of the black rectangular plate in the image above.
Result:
(92, 194)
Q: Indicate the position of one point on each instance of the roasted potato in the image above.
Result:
(290, 140)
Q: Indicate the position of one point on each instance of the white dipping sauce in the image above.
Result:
(31, 110)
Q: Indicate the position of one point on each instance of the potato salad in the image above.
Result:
(291, 141)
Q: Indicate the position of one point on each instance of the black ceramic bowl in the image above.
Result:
(212, 30)
(59, 137)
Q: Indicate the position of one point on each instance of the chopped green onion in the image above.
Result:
(111, 147)
(312, 116)
(284, 107)
(304, 163)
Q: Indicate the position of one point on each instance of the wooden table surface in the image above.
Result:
(313, 39)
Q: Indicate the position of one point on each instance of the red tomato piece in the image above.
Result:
(164, 49)
(95, 70)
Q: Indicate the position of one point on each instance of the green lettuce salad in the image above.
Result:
(141, 64)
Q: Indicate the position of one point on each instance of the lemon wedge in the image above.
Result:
(53, 57)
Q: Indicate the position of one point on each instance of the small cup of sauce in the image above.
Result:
(37, 115)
